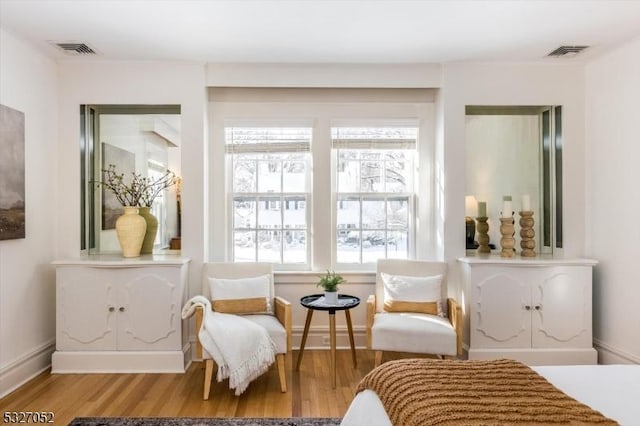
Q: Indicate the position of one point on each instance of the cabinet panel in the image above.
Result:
(501, 317)
(562, 308)
(150, 317)
(86, 314)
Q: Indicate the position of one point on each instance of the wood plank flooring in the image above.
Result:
(180, 395)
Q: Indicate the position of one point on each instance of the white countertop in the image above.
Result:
(116, 260)
(540, 260)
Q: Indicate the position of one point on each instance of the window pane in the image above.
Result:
(348, 213)
(397, 176)
(371, 154)
(349, 176)
(373, 214)
(371, 175)
(295, 247)
(348, 247)
(295, 213)
(398, 213)
(294, 176)
(269, 246)
(244, 247)
(244, 176)
(244, 213)
(269, 213)
(373, 246)
(269, 176)
(397, 245)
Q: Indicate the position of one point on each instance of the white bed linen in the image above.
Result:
(614, 390)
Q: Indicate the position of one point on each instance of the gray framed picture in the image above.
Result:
(125, 162)
(12, 170)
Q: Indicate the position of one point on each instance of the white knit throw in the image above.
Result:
(242, 349)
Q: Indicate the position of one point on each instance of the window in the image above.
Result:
(375, 192)
(269, 191)
(314, 179)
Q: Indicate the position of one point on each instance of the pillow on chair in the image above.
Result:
(412, 294)
(241, 296)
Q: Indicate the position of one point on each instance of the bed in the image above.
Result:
(613, 390)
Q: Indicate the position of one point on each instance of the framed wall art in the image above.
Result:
(12, 174)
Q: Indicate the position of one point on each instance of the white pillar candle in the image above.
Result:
(526, 203)
(470, 206)
(507, 210)
(482, 209)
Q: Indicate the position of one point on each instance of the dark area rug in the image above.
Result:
(193, 421)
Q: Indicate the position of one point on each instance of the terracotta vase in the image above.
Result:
(130, 228)
(152, 230)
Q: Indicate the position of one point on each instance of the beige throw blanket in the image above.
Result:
(242, 349)
(420, 392)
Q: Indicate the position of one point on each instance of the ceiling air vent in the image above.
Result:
(75, 48)
(566, 51)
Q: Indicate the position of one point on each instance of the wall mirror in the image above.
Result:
(515, 151)
(142, 139)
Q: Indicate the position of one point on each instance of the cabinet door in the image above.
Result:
(561, 314)
(85, 311)
(149, 305)
(500, 317)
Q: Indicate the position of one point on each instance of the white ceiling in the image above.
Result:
(327, 31)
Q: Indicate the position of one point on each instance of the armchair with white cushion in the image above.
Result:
(410, 310)
(274, 313)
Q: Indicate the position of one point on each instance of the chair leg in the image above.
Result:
(378, 359)
(208, 376)
(280, 358)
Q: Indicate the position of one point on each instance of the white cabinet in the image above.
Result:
(120, 315)
(537, 311)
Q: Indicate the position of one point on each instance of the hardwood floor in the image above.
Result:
(180, 395)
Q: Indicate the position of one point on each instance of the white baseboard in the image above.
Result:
(25, 368)
(129, 362)
(608, 354)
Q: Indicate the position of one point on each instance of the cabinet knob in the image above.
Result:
(111, 309)
(527, 307)
(121, 309)
(537, 307)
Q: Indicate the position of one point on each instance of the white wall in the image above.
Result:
(27, 292)
(613, 200)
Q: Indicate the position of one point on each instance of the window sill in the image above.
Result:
(311, 277)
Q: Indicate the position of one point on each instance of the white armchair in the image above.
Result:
(413, 331)
(278, 325)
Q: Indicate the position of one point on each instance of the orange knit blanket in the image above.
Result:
(420, 392)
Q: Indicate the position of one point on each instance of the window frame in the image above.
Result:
(260, 196)
(320, 111)
(374, 144)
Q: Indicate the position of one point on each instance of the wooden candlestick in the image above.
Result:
(528, 234)
(507, 242)
(483, 235)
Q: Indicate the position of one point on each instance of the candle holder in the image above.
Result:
(507, 242)
(483, 235)
(528, 234)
